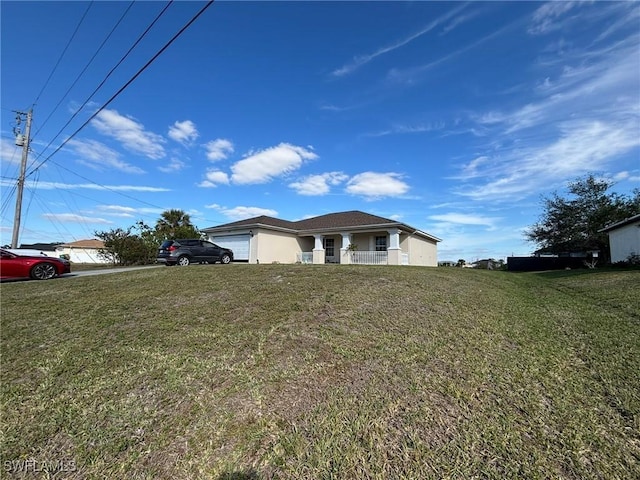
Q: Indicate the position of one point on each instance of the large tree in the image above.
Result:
(122, 247)
(572, 224)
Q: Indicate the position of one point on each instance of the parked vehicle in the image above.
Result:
(38, 267)
(186, 251)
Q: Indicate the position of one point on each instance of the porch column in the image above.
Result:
(318, 250)
(394, 254)
(345, 254)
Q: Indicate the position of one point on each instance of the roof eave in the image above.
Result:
(247, 226)
(619, 224)
(373, 226)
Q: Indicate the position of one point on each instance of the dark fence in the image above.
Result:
(533, 264)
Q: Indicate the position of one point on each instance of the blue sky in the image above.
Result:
(455, 118)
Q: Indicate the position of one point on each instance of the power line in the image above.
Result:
(63, 52)
(86, 66)
(124, 57)
(103, 186)
(138, 73)
(5, 202)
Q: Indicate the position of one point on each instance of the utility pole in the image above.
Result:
(23, 140)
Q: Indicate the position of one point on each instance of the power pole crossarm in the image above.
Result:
(26, 140)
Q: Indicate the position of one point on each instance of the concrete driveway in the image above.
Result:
(103, 271)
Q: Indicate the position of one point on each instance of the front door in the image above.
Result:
(330, 250)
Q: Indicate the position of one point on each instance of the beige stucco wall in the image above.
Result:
(624, 241)
(81, 255)
(268, 246)
(361, 241)
(421, 251)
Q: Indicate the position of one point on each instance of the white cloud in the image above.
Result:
(174, 165)
(213, 178)
(471, 170)
(403, 129)
(86, 186)
(411, 75)
(130, 133)
(596, 82)
(583, 147)
(100, 157)
(240, 213)
(374, 185)
(586, 118)
(459, 20)
(318, 184)
(361, 60)
(128, 212)
(547, 17)
(218, 149)
(9, 152)
(117, 210)
(465, 219)
(183, 132)
(74, 218)
(620, 176)
(628, 16)
(264, 165)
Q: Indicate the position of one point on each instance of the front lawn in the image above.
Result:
(303, 371)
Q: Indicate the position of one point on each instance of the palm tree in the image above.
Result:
(176, 222)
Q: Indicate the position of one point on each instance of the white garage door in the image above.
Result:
(238, 243)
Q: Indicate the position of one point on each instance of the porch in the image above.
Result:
(356, 258)
(377, 247)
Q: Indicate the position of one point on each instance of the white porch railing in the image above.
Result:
(369, 258)
(304, 257)
(357, 258)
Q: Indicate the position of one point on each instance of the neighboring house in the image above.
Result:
(83, 251)
(347, 237)
(624, 238)
(36, 249)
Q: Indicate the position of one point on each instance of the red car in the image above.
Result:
(38, 268)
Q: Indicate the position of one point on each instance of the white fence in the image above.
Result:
(304, 257)
(369, 258)
(357, 258)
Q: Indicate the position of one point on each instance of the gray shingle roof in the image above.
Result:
(353, 218)
(330, 221)
(261, 220)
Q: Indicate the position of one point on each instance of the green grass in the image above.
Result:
(274, 371)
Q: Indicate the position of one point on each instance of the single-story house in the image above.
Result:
(352, 237)
(624, 238)
(83, 251)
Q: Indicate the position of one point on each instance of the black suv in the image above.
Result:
(185, 251)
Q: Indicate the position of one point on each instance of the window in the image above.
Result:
(381, 244)
(329, 246)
